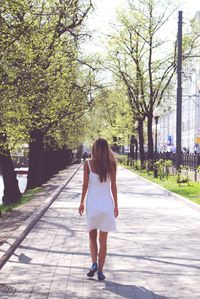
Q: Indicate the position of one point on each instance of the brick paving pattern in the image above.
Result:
(10, 221)
(153, 255)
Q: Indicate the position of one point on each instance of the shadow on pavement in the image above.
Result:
(131, 291)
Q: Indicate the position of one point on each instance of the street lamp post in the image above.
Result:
(179, 94)
(156, 135)
(156, 115)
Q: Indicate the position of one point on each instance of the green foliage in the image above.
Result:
(191, 191)
(163, 168)
(133, 53)
(148, 166)
(122, 159)
(41, 81)
(168, 165)
(182, 175)
(143, 56)
(137, 165)
(27, 196)
(110, 117)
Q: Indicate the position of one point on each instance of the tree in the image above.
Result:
(144, 60)
(10, 31)
(110, 117)
(40, 70)
(138, 62)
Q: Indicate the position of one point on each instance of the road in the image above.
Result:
(153, 255)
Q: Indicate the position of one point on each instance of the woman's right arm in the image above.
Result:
(114, 193)
(84, 186)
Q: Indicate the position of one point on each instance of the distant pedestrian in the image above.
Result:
(85, 156)
(99, 183)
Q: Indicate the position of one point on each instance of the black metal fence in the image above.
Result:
(190, 160)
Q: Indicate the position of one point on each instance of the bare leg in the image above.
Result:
(93, 245)
(103, 249)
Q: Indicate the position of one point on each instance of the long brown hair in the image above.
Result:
(104, 160)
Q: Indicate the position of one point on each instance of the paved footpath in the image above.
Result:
(153, 255)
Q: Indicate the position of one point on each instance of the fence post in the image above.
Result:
(195, 174)
(198, 160)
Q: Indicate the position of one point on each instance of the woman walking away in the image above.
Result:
(99, 182)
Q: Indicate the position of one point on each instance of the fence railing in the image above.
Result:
(190, 160)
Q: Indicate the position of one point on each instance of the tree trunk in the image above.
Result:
(11, 193)
(132, 146)
(140, 130)
(136, 149)
(150, 137)
(36, 155)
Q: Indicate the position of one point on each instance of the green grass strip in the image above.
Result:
(191, 192)
(26, 197)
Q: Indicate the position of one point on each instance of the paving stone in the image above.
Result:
(153, 255)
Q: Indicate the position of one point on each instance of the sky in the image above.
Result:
(104, 14)
(105, 9)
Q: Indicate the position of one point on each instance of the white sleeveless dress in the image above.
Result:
(99, 204)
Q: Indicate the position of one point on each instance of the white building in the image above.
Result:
(190, 111)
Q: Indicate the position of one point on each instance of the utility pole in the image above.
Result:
(179, 94)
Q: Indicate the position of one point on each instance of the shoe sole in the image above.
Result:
(91, 273)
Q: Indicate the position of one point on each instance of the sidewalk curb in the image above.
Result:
(7, 249)
(178, 197)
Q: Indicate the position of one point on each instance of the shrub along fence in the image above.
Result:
(190, 160)
(165, 162)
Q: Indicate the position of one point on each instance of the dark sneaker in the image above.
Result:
(93, 269)
(101, 276)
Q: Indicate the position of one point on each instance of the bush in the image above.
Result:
(137, 165)
(121, 159)
(163, 168)
(148, 166)
(182, 175)
(167, 165)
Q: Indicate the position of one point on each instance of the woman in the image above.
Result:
(99, 182)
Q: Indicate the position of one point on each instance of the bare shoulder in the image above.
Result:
(89, 161)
